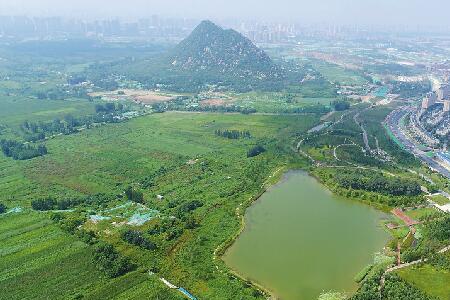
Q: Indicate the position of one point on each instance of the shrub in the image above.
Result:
(108, 260)
(255, 151)
(2, 208)
(188, 207)
(134, 195)
(340, 105)
(136, 238)
(20, 151)
(43, 204)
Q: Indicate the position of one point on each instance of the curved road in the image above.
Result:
(393, 121)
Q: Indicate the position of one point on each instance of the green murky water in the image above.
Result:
(300, 240)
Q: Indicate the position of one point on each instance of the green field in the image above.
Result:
(430, 280)
(110, 158)
(417, 214)
(193, 182)
(278, 102)
(38, 260)
(441, 200)
(338, 74)
(16, 109)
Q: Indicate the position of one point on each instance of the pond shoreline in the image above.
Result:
(276, 178)
(279, 177)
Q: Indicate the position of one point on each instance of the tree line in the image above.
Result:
(136, 238)
(233, 134)
(37, 131)
(340, 105)
(376, 182)
(20, 151)
(49, 203)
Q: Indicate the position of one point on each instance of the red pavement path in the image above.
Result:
(408, 221)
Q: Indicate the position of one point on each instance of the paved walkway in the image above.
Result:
(174, 287)
(400, 214)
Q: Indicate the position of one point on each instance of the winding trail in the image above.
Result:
(364, 132)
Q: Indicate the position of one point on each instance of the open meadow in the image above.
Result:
(177, 155)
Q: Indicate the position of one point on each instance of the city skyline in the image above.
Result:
(367, 12)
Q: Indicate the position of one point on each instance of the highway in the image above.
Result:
(393, 121)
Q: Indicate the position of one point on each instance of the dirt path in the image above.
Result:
(359, 123)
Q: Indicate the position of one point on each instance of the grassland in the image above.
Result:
(278, 102)
(16, 109)
(198, 166)
(40, 261)
(441, 200)
(428, 279)
(337, 74)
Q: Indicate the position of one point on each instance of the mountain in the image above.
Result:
(209, 56)
(210, 48)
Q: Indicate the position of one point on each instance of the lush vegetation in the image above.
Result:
(160, 192)
(90, 171)
(255, 151)
(233, 134)
(134, 195)
(377, 182)
(411, 89)
(108, 260)
(136, 238)
(38, 131)
(340, 105)
(20, 151)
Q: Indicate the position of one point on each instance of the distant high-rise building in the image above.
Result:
(447, 106)
(443, 92)
(429, 100)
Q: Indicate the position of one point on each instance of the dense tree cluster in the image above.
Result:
(20, 151)
(411, 89)
(396, 288)
(376, 182)
(233, 134)
(439, 229)
(108, 260)
(340, 105)
(134, 195)
(369, 288)
(52, 204)
(96, 200)
(183, 104)
(136, 238)
(255, 151)
(2, 208)
(61, 93)
(44, 204)
(37, 131)
(170, 228)
(108, 108)
(435, 235)
(189, 206)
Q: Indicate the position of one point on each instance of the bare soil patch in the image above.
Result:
(139, 96)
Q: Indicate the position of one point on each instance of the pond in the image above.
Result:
(300, 240)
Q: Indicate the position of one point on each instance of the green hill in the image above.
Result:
(211, 48)
(209, 56)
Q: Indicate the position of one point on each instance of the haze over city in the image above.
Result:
(364, 12)
(225, 149)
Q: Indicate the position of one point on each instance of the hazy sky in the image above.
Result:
(410, 12)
